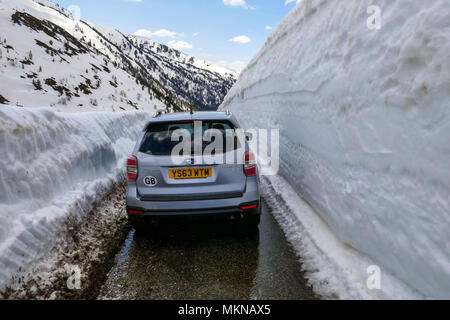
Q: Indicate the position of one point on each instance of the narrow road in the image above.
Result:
(207, 259)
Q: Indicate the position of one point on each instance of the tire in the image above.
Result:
(252, 220)
(140, 225)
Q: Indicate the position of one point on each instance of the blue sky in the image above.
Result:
(202, 28)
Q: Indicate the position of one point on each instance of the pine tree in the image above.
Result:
(30, 55)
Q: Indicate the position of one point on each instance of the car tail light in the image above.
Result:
(254, 206)
(250, 164)
(132, 169)
(135, 212)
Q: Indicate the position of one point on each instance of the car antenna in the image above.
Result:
(192, 109)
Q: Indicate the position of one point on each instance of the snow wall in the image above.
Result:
(364, 121)
(52, 165)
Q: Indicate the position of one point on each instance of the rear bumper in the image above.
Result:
(217, 212)
(210, 206)
(208, 196)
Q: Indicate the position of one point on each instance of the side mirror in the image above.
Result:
(249, 136)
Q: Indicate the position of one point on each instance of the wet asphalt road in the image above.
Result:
(207, 259)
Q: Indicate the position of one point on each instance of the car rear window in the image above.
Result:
(158, 138)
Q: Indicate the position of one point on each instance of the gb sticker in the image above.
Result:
(150, 181)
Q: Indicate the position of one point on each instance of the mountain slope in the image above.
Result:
(194, 80)
(49, 58)
(364, 125)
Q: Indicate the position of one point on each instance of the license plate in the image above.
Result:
(190, 173)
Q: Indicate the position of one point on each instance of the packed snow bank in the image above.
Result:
(53, 165)
(332, 267)
(365, 125)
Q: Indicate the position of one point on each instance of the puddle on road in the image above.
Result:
(207, 259)
(124, 255)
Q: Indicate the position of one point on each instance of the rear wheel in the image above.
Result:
(139, 227)
(252, 220)
(140, 224)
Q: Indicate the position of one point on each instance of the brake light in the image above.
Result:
(250, 164)
(250, 207)
(132, 169)
(135, 212)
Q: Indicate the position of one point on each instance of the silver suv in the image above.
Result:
(164, 182)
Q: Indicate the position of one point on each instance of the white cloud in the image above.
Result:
(241, 39)
(236, 3)
(289, 1)
(196, 34)
(268, 28)
(162, 33)
(179, 45)
(133, 0)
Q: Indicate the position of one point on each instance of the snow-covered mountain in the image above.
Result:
(49, 58)
(364, 122)
(197, 81)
